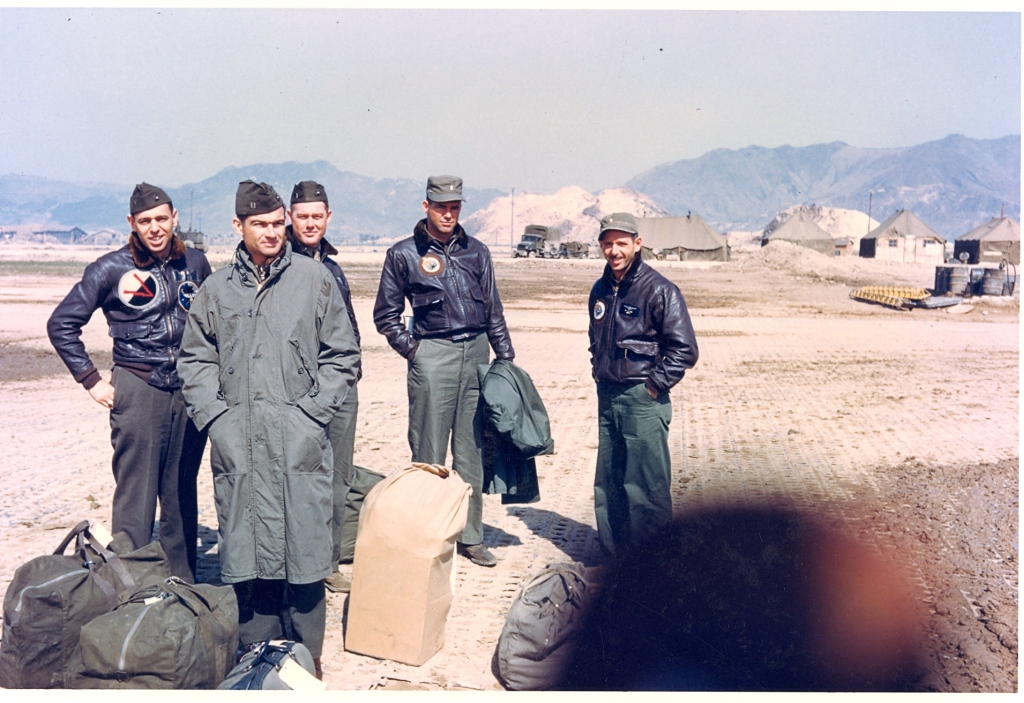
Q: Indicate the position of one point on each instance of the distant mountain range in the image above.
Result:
(953, 184)
(364, 208)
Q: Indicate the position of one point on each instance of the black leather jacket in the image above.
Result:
(145, 302)
(450, 287)
(640, 330)
(323, 255)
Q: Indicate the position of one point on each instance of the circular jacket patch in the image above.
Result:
(186, 294)
(431, 265)
(599, 310)
(137, 289)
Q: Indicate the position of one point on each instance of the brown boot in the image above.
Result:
(318, 669)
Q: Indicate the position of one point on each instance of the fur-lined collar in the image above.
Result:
(144, 258)
(423, 239)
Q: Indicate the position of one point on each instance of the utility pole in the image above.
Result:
(870, 193)
(512, 222)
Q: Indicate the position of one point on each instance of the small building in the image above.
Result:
(690, 238)
(997, 239)
(63, 236)
(104, 237)
(801, 230)
(905, 238)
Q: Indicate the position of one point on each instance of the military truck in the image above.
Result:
(539, 241)
(191, 238)
(574, 250)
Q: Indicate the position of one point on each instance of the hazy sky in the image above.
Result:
(529, 99)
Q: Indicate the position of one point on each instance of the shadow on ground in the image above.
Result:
(574, 538)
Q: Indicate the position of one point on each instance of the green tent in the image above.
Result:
(690, 237)
(997, 239)
(800, 229)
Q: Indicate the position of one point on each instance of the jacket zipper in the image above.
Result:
(455, 281)
(170, 308)
(612, 328)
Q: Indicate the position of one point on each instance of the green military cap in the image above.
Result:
(309, 192)
(254, 198)
(444, 189)
(146, 197)
(620, 222)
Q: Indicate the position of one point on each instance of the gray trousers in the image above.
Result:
(444, 394)
(342, 432)
(634, 468)
(157, 450)
(271, 609)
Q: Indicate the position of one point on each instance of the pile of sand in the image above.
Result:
(848, 270)
(838, 222)
(573, 210)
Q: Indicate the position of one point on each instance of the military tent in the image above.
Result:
(800, 229)
(905, 238)
(997, 239)
(690, 238)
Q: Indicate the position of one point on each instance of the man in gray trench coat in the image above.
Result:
(267, 358)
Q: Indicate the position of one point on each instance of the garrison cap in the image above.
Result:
(146, 197)
(309, 192)
(444, 189)
(254, 198)
(620, 222)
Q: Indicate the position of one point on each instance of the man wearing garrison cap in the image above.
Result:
(144, 289)
(267, 359)
(641, 344)
(448, 278)
(310, 214)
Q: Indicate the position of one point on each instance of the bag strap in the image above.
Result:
(83, 537)
(75, 531)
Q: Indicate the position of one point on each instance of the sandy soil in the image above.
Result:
(898, 428)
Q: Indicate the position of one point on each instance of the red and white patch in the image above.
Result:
(137, 289)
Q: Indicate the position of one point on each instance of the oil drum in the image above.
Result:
(959, 279)
(992, 282)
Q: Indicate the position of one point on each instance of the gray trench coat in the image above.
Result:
(265, 368)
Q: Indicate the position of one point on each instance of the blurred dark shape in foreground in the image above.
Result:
(750, 599)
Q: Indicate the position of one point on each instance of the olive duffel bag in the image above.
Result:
(51, 597)
(168, 635)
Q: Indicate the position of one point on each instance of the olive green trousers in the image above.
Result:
(444, 395)
(342, 433)
(634, 468)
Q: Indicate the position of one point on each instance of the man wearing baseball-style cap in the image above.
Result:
(267, 359)
(448, 278)
(145, 290)
(310, 215)
(641, 344)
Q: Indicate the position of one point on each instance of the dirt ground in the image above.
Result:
(899, 428)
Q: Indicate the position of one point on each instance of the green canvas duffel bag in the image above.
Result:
(363, 481)
(168, 635)
(51, 597)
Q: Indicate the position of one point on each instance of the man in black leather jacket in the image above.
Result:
(145, 290)
(641, 343)
(310, 215)
(448, 278)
